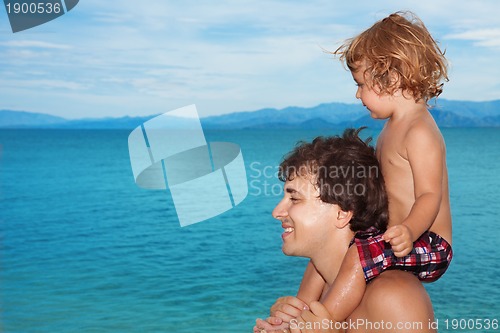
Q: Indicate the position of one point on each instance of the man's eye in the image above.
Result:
(294, 199)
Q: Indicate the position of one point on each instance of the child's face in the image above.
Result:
(307, 221)
(378, 104)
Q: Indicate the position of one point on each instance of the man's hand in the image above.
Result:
(271, 324)
(282, 312)
(400, 237)
(318, 319)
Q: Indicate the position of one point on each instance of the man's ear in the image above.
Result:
(343, 218)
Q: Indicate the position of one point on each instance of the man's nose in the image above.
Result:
(358, 94)
(280, 210)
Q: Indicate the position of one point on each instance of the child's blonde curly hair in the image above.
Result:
(399, 53)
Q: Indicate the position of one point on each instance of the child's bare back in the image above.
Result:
(411, 152)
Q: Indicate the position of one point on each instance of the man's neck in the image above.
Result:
(327, 261)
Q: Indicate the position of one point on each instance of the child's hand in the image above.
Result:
(316, 319)
(287, 308)
(400, 238)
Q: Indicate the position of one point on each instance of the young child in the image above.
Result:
(398, 68)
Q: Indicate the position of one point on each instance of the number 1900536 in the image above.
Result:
(33, 8)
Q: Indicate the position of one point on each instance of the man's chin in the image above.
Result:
(288, 251)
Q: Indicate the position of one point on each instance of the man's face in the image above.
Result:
(307, 221)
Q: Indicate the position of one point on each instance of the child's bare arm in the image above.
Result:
(312, 285)
(426, 157)
(348, 289)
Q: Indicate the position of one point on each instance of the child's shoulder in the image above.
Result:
(423, 127)
(423, 132)
(417, 125)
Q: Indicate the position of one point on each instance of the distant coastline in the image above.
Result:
(447, 113)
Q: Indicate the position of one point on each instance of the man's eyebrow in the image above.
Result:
(291, 190)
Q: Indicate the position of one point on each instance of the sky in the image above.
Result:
(131, 58)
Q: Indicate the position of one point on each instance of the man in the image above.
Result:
(333, 189)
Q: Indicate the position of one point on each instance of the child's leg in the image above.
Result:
(348, 289)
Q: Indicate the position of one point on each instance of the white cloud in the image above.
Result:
(44, 84)
(34, 44)
(482, 37)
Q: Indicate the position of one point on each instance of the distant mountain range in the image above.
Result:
(331, 115)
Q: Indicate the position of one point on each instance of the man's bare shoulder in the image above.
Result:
(395, 287)
(397, 299)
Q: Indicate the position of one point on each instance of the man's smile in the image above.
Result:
(288, 230)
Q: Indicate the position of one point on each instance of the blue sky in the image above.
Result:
(117, 58)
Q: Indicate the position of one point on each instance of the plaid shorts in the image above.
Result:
(429, 259)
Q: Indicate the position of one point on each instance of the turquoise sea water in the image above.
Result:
(83, 249)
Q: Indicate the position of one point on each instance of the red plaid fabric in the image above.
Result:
(429, 259)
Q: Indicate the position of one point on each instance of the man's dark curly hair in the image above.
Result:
(346, 172)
